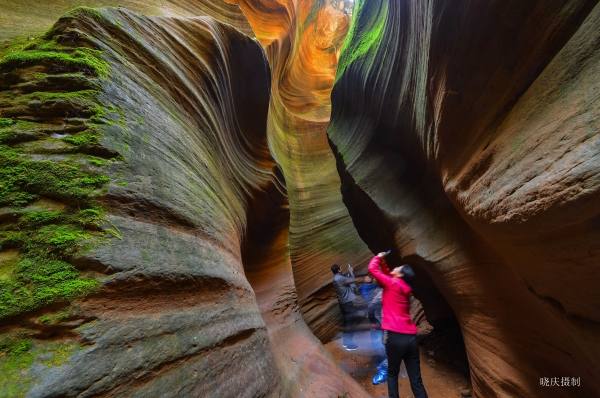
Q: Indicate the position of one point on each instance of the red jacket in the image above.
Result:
(395, 300)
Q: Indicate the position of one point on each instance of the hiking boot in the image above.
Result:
(380, 377)
(351, 347)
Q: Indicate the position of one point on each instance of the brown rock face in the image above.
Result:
(170, 202)
(194, 293)
(30, 17)
(466, 138)
(302, 40)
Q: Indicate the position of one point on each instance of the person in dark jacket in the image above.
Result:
(345, 295)
(402, 341)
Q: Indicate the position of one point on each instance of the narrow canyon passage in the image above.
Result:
(178, 177)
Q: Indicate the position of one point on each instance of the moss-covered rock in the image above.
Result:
(45, 83)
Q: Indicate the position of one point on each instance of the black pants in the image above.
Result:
(348, 314)
(404, 347)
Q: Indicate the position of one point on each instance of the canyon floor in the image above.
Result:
(440, 379)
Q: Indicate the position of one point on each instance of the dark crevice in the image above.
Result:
(378, 232)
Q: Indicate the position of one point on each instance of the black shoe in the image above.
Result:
(351, 347)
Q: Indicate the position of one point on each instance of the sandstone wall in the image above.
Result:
(21, 18)
(466, 137)
(189, 283)
(302, 40)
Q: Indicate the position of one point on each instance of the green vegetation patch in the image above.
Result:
(57, 57)
(86, 139)
(365, 34)
(18, 354)
(47, 202)
(44, 96)
(45, 239)
(41, 282)
(4, 122)
(16, 131)
(23, 180)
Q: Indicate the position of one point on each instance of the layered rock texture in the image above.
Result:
(30, 18)
(145, 221)
(175, 183)
(467, 138)
(302, 40)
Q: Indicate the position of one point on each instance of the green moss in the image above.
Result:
(38, 218)
(365, 34)
(18, 355)
(82, 101)
(55, 241)
(122, 183)
(6, 122)
(59, 57)
(45, 239)
(43, 96)
(54, 319)
(16, 44)
(85, 139)
(37, 245)
(23, 180)
(16, 132)
(98, 161)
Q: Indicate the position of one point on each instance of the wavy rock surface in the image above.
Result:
(302, 40)
(30, 17)
(466, 138)
(195, 280)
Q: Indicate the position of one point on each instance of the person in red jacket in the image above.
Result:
(402, 341)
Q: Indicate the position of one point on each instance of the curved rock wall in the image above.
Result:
(302, 40)
(190, 278)
(29, 17)
(465, 136)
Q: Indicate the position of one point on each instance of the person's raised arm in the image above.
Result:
(348, 280)
(385, 269)
(374, 268)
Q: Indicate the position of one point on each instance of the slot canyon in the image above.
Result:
(178, 177)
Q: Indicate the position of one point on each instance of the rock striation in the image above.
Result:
(466, 139)
(302, 40)
(171, 228)
(31, 18)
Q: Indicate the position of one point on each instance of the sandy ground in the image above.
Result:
(441, 381)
